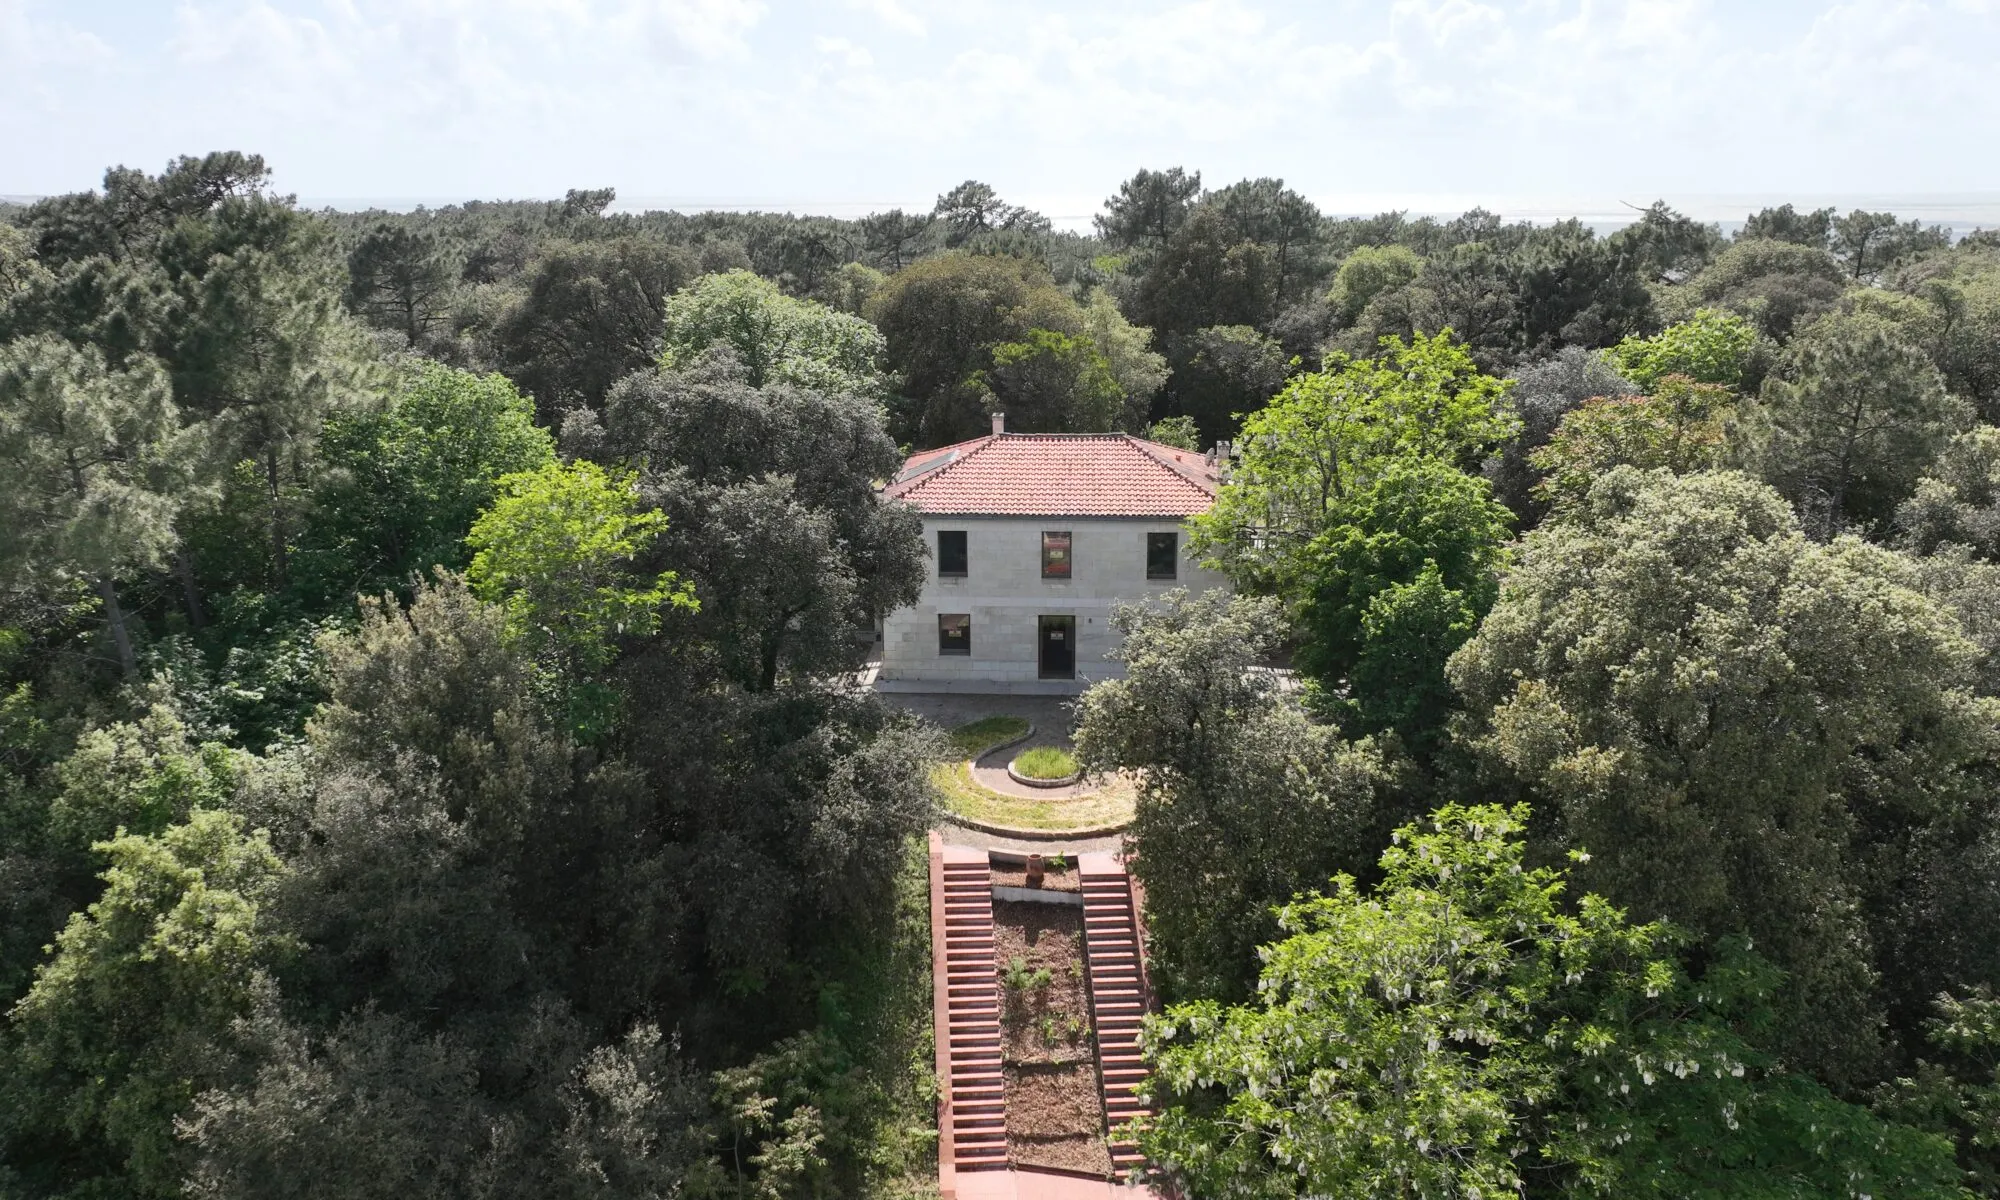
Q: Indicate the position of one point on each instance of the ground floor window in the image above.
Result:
(954, 633)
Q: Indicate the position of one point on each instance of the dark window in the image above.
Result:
(1055, 556)
(1163, 555)
(951, 552)
(954, 633)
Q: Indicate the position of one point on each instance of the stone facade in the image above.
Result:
(1005, 594)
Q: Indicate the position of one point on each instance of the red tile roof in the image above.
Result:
(1057, 475)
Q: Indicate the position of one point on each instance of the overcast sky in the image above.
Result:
(844, 107)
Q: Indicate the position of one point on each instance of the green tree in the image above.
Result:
(1179, 432)
(1053, 383)
(1871, 241)
(1148, 209)
(1956, 1092)
(91, 470)
(940, 319)
(592, 314)
(1787, 224)
(773, 516)
(1243, 801)
(1127, 351)
(1396, 584)
(131, 1017)
(1680, 427)
(1367, 273)
(1850, 421)
(1226, 373)
(398, 486)
(1734, 719)
(554, 552)
(399, 278)
(1712, 346)
(1463, 1030)
(1543, 393)
(1957, 502)
(775, 337)
(1330, 434)
(1669, 246)
(1778, 286)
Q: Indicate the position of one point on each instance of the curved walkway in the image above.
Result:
(989, 771)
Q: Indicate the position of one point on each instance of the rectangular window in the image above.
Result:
(951, 554)
(954, 633)
(1163, 555)
(1055, 556)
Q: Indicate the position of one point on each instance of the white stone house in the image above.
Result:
(1033, 538)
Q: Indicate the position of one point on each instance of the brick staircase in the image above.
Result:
(1118, 992)
(969, 1047)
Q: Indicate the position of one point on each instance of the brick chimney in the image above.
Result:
(999, 423)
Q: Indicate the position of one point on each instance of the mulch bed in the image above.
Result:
(1055, 1114)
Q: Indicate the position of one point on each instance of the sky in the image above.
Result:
(1538, 107)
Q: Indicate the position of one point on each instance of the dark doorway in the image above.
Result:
(1058, 642)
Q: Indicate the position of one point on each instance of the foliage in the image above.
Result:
(776, 338)
(773, 517)
(940, 319)
(1045, 762)
(1712, 347)
(1542, 393)
(1054, 383)
(1734, 719)
(1331, 434)
(1958, 1093)
(1179, 432)
(1681, 427)
(1460, 1030)
(1850, 421)
(400, 486)
(1127, 352)
(591, 314)
(1242, 801)
(1778, 286)
(1957, 502)
(553, 551)
(1228, 372)
(1397, 582)
(89, 460)
(132, 1015)
(1367, 273)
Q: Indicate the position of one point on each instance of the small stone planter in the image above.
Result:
(1031, 781)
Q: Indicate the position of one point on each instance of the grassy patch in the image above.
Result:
(982, 735)
(1046, 762)
(966, 798)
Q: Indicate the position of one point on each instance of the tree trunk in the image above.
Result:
(190, 590)
(114, 615)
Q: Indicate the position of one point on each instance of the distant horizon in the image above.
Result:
(1962, 212)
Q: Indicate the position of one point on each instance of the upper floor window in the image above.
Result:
(951, 554)
(1055, 555)
(1163, 555)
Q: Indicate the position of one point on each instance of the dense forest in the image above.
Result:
(430, 762)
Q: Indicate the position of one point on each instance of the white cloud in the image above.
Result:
(737, 97)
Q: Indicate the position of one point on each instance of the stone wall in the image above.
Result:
(1005, 594)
